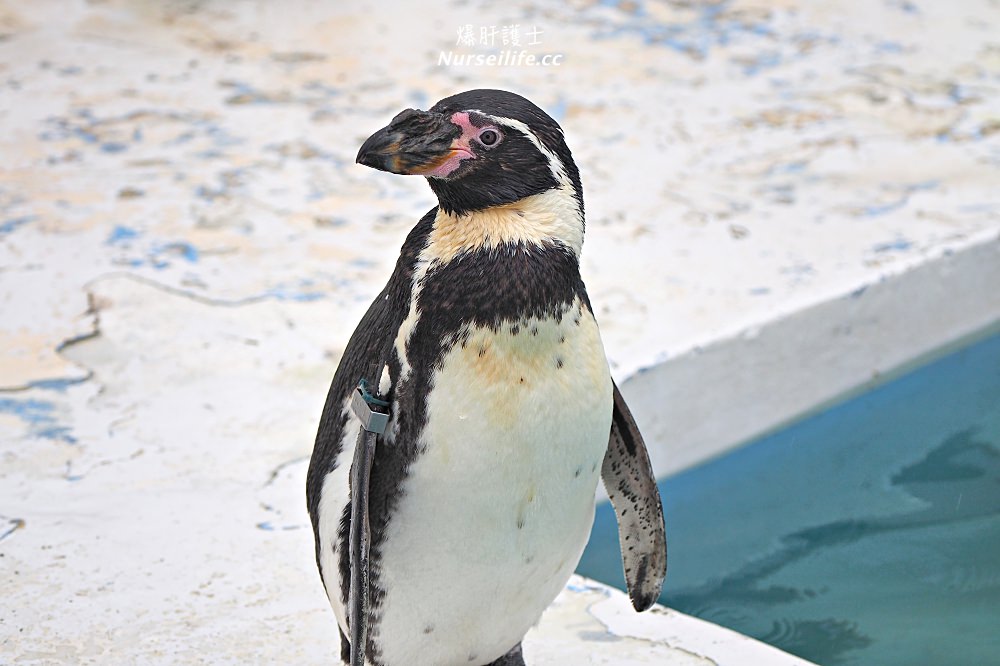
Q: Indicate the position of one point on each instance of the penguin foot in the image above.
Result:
(512, 658)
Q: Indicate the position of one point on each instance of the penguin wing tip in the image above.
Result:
(643, 601)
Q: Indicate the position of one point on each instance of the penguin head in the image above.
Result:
(478, 149)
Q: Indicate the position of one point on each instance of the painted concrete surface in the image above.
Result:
(590, 623)
(186, 244)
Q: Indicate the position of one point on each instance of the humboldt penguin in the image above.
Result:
(478, 498)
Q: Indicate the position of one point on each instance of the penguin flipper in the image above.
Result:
(631, 485)
(360, 541)
(364, 358)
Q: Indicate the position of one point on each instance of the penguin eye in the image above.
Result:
(489, 137)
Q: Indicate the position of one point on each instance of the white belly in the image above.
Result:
(496, 511)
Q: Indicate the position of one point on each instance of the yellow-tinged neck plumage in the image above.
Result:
(550, 217)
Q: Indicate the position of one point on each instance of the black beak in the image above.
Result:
(415, 142)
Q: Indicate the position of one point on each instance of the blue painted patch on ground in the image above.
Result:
(710, 28)
(888, 47)
(39, 416)
(113, 147)
(763, 61)
(785, 168)
(29, 410)
(897, 245)
(558, 109)
(59, 385)
(284, 294)
(181, 249)
(874, 210)
(121, 234)
(7, 226)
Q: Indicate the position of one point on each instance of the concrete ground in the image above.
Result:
(785, 200)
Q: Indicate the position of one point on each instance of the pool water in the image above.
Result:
(868, 534)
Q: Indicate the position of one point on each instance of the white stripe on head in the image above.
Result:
(555, 164)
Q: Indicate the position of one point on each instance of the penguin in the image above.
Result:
(502, 413)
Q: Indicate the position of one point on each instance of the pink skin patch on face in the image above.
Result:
(461, 148)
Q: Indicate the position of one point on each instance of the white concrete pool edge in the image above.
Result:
(709, 400)
(591, 623)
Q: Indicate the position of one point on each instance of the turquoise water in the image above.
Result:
(868, 534)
